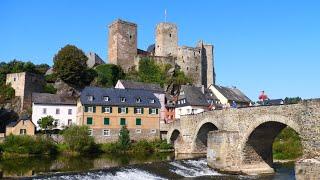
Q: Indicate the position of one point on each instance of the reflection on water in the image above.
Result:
(138, 166)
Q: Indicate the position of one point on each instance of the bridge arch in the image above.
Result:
(201, 136)
(173, 137)
(256, 146)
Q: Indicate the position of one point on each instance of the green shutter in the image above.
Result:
(127, 110)
(119, 109)
(150, 110)
(89, 120)
(138, 121)
(157, 111)
(110, 109)
(122, 121)
(94, 109)
(103, 109)
(106, 121)
(142, 110)
(85, 108)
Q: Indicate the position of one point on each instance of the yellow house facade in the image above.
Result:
(21, 127)
(106, 110)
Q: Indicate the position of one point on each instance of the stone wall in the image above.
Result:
(161, 60)
(166, 39)
(122, 45)
(189, 60)
(308, 169)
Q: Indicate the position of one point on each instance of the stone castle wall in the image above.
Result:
(122, 46)
(189, 60)
(162, 60)
(166, 39)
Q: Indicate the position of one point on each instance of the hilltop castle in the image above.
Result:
(195, 62)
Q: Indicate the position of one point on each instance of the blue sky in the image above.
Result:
(259, 45)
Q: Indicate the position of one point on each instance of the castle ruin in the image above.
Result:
(196, 62)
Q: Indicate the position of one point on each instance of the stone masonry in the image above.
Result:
(240, 140)
(196, 62)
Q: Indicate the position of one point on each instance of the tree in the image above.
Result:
(149, 71)
(70, 65)
(292, 100)
(124, 138)
(78, 140)
(46, 123)
(108, 75)
(6, 92)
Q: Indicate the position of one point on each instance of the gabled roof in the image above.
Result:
(232, 94)
(54, 99)
(193, 96)
(143, 86)
(114, 94)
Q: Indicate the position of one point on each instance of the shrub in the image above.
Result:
(24, 144)
(78, 140)
(6, 92)
(110, 147)
(51, 78)
(142, 146)
(124, 138)
(48, 88)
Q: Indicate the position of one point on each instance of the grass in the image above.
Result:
(287, 145)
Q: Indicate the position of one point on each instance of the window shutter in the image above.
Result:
(106, 121)
(85, 108)
(135, 110)
(149, 110)
(94, 109)
(127, 110)
(142, 110)
(103, 109)
(157, 111)
(110, 109)
(119, 109)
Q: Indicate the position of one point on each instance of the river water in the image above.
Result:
(140, 167)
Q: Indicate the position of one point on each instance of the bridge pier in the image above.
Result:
(308, 169)
(223, 154)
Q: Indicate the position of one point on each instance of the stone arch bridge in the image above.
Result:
(240, 140)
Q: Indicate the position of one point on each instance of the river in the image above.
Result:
(155, 166)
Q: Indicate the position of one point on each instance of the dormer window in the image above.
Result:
(123, 99)
(90, 98)
(106, 98)
(138, 100)
(182, 93)
(152, 101)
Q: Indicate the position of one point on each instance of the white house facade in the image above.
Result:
(62, 109)
(187, 110)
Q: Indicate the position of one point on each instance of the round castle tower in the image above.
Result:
(166, 40)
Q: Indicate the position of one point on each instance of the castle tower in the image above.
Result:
(207, 63)
(122, 45)
(166, 40)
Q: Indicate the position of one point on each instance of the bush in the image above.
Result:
(161, 145)
(142, 146)
(48, 88)
(51, 78)
(110, 147)
(78, 140)
(24, 144)
(6, 92)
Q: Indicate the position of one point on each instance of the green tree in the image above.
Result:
(124, 138)
(46, 123)
(108, 75)
(70, 65)
(292, 100)
(6, 92)
(77, 139)
(48, 88)
(150, 72)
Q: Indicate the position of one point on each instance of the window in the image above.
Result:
(153, 111)
(89, 120)
(138, 131)
(178, 102)
(152, 101)
(187, 68)
(90, 109)
(138, 111)
(106, 109)
(106, 98)
(14, 79)
(23, 131)
(44, 111)
(138, 100)
(90, 132)
(182, 93)
(106, 132)
(122, 121)
(69, 111)
(69, 122)
(153, 131)
(90, 98)
(138, 121)
(57, 111)
(188, 111)
(123, 99)
(106, 121)
(169, 35)
(123, 110)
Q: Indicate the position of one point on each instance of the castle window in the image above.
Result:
(187, 68)
(194, 53)
(130, 37)
(14, 79)
(170, 35)
(196, 68)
